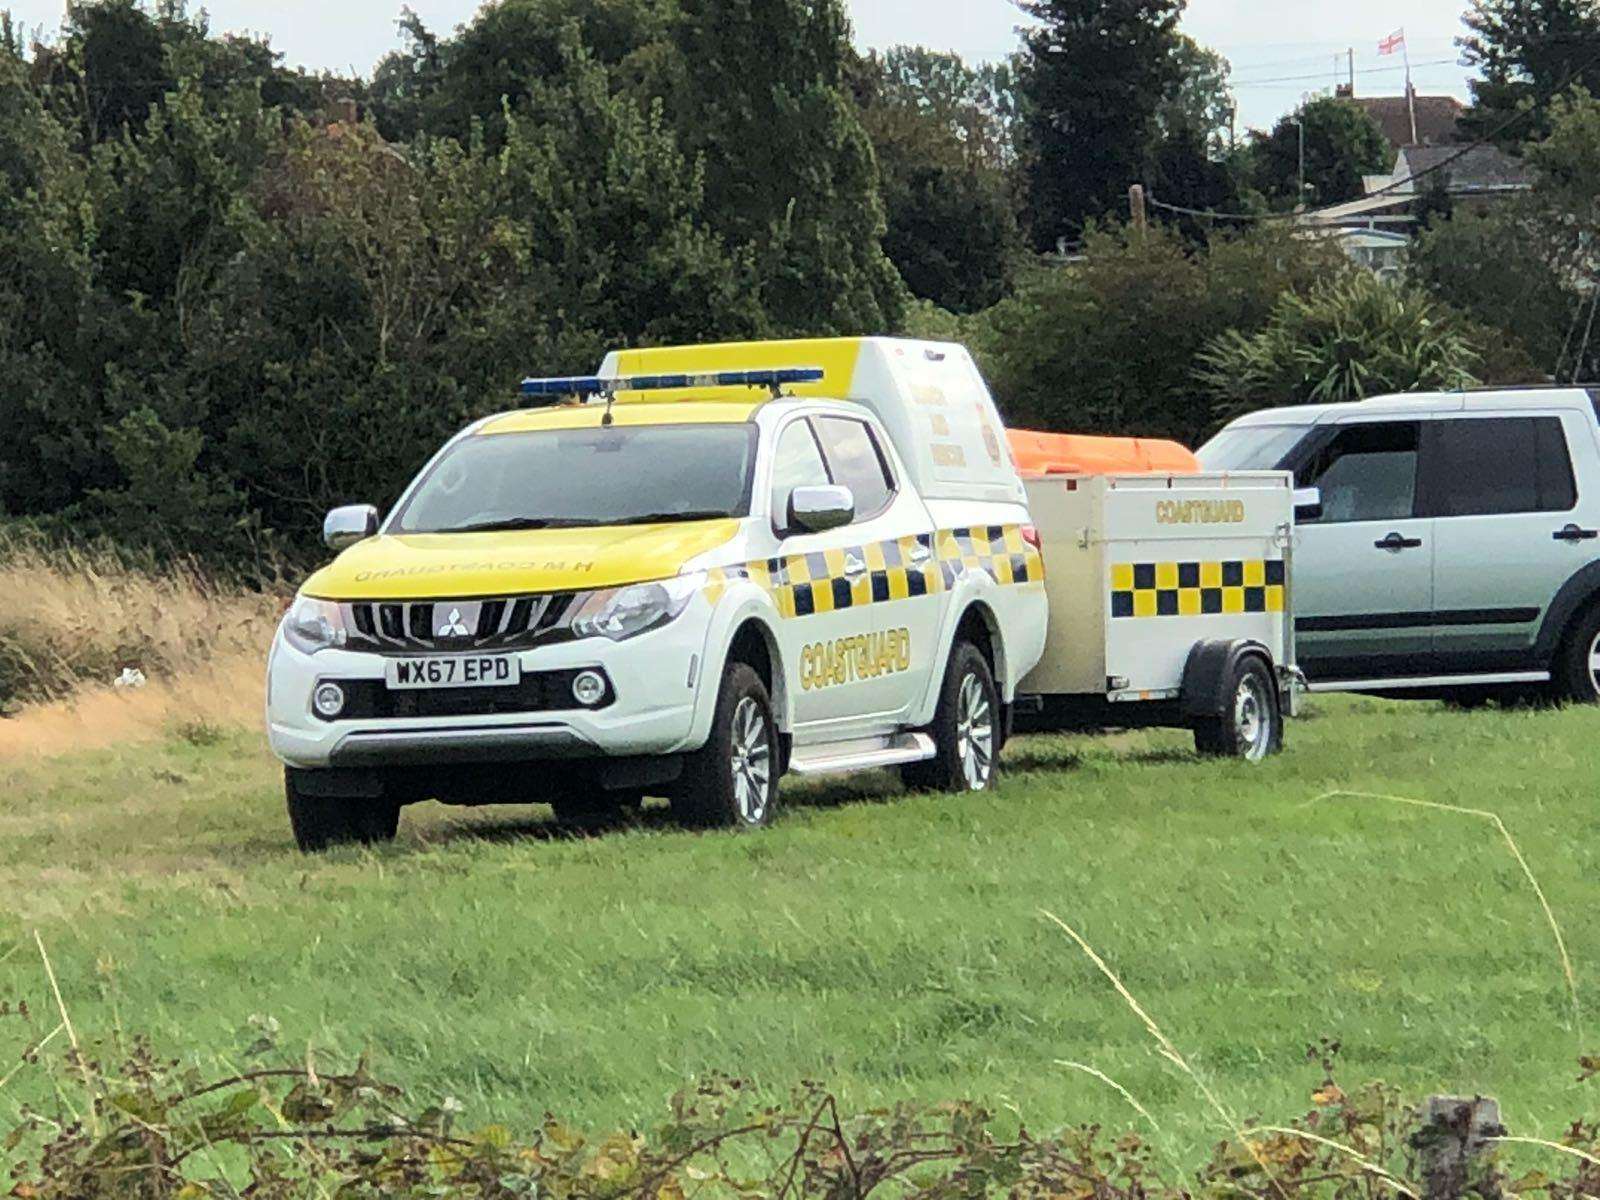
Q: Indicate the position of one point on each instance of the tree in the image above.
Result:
(1348, 338)
(1527, 52)
(1093, 76)
(1109, 344)
(1342, 144)
(939, 137)
(1201, 101)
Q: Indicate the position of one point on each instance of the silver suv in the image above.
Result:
(1448, 544)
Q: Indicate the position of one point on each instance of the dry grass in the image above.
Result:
(71, 620)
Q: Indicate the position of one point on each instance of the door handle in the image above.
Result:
(1395, 543)
(854, 566)
(1575, 533)
(920, 554)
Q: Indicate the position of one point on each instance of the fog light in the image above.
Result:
(589, 688)
(328, 700)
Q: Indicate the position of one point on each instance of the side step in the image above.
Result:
(1406, 682)
(862, 754)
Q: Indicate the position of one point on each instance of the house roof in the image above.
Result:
(1465, 170)
(1436, 118)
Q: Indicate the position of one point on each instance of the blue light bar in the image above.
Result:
(583, 386)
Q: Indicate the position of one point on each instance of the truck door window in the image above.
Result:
(1366, 473)
(796, 463)
(1497, 465)
(857, 463)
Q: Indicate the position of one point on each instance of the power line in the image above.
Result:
(1438, 62)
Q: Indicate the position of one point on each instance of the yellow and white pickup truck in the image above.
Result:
(708, 567)
(712, 573)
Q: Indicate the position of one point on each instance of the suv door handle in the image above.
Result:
(1395, 543)
(1575, 533)
(854, 566)
(920, 554)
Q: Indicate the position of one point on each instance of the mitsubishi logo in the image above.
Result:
(453, 626)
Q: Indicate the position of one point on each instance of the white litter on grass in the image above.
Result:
(131, 677)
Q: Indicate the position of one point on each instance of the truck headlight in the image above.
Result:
(314, 625)
(625, 612)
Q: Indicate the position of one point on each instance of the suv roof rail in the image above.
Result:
(1529, 387)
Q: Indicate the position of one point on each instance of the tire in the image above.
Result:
(732, 781)
(322, 822)
(1251, 727)
(966, 729)
(1576, 670)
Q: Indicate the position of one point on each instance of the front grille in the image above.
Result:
(500, 623)
(543, 691)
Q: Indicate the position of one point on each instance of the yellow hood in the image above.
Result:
(443, 566)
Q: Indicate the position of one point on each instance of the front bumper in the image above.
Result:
(654, 680)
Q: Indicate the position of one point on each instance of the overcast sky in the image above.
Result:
(1280, 49)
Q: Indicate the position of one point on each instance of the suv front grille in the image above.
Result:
(442, 626)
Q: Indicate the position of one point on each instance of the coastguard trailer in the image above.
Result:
(1170, 605)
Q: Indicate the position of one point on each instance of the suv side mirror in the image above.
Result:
(1307, 504)
(346, 526)
(819, 509)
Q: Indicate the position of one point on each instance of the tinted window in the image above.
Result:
(797, 463)
(1366, 473)
(570, 477)
(857, 463)
(1499, 465)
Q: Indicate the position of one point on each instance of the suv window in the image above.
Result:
(857, 463)
(1498, 465)
(797, 462)
(1366, 473)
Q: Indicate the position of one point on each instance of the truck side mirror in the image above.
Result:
(821, 508)
(1307, 504)
(346, 526)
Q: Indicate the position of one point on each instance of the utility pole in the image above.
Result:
(1352, 72)
(1300, 125)
(1136, 207)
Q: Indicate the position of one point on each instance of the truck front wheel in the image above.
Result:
(732, 781)
(322, 822)
(966, 729)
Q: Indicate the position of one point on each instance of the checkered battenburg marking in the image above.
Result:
(1195, 589)
(830, 580)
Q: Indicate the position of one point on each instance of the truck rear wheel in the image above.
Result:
(732, 781)
(322, 822)
(1576, 670)
(1250, 725)
(966, 729)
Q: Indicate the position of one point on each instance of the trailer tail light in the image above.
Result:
(1030, 535)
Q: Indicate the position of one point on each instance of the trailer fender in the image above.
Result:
(1206, 674)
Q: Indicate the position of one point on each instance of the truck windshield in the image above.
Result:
(1250, 447)
(566, 478)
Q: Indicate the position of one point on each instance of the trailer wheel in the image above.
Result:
(1250, 727)
(966, 729)
(322, 822)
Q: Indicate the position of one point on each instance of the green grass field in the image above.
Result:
(891, 946)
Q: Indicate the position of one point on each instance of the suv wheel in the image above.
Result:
(1576, 671)
(1250, 726)
(322, 822)
(732, 781)
(966, 729)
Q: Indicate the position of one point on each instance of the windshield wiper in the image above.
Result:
(665, 518)
(510, 524)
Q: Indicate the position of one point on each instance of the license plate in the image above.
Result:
(457, 671)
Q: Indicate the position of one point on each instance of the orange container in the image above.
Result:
(1038, 454)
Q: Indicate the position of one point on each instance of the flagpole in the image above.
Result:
(1411, 92)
